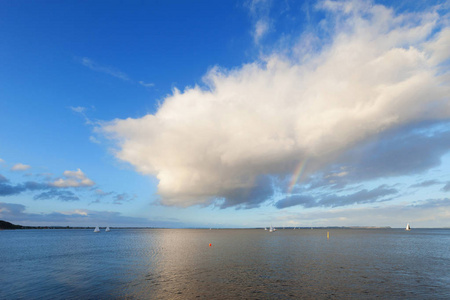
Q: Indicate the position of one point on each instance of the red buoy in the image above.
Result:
(210, 244)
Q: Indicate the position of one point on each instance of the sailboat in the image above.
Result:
(265, 228)
(107, 229)
(97, 229)
(408, 228)
(272, 229)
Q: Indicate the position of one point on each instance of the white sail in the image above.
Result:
(107, 229)
(97, 229)
(408, 227)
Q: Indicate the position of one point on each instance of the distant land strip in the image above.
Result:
(4, 225)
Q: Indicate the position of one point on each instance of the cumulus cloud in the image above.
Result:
(377, 72)
(73, 179)
(20, 167)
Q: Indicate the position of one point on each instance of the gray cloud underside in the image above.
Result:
(56, 194)
(7, 189)
(48, 191)
(362, 196)
(245, 198)
(446, 188)
(426, 183)
(405, 151)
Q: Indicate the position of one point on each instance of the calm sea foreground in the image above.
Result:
(239, 264)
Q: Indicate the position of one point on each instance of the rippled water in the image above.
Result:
(253, 264)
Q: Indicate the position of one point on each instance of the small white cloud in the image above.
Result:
(73, 179)
(150, 84)
(340, 174)
(1, 161)
(20, 167)
(80, 212)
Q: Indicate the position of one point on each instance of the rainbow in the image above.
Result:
(297, 175)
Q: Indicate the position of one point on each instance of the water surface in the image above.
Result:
(253, 264)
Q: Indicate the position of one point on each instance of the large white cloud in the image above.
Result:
(379, 71)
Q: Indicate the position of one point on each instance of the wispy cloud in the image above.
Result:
(94, 66)
(362, 196)
(425, 183)
(81, 111)
(94, 140)
(78, 109)
(261, 28)
(259, 11)
(57, 194)
(87, 62)
(20, 167)
(124, 197)
(150, 84)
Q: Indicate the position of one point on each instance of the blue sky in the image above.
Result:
(225, 114)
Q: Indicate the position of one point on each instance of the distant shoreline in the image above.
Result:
(9, 226)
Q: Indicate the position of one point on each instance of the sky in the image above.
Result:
(219, 114)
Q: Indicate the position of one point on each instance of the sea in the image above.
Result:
(225, 264)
